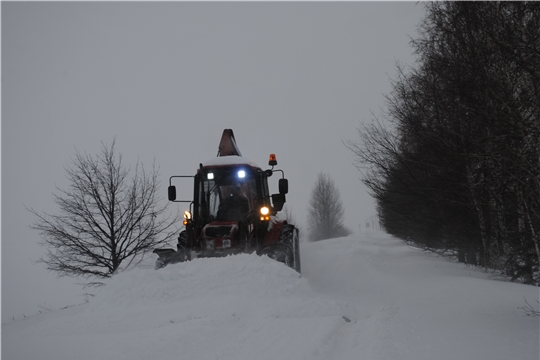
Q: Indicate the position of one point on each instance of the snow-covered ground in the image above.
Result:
(367, 296)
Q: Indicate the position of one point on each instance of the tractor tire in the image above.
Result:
(280, 253)
(182, 242)
(290, 235)
(287, 249)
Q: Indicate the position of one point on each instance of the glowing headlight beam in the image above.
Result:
(265, 213)
(187, 218)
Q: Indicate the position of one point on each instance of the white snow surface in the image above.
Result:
(367, 296)
(230, 160)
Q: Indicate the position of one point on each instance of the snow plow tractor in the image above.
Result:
(232, 211)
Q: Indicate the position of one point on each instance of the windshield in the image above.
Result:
(229, 193)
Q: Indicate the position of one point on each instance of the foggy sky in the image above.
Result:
(294, 79)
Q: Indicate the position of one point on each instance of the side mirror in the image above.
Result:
(283, 186)
(278, 200)
(172, 193)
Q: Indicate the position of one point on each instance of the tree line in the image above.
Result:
(454, 161)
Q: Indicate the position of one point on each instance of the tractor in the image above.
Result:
(232, 211)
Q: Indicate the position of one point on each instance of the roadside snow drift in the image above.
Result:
(366, 297)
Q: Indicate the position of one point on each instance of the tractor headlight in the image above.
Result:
(187, 217)
(241, 174)
(265, 213)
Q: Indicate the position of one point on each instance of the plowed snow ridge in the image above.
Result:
(366, 296)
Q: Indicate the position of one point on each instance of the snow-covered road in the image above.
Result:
(367, 296)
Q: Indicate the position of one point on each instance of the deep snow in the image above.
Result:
(367, 296)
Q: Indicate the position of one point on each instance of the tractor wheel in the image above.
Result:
(280, 253)
(182, 242)
(290, 237)
(287, 249)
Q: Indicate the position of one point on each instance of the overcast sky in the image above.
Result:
(294, 79)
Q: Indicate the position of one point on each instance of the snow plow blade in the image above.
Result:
(168, 256)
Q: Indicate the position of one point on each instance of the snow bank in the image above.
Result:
(230, 160)
(366, 296)
(204, 309)
(415, 305)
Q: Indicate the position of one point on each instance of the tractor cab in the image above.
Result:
(232, 207)
(233, 192)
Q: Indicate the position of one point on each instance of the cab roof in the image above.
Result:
(231, 160)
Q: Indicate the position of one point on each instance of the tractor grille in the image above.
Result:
(218, 231)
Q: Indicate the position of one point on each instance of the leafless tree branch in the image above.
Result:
(109, 217)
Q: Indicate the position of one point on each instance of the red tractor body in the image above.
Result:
(233, 212)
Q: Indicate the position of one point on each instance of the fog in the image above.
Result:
(165, 79)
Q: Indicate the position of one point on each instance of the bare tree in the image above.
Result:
(325, 210)
(107, 217)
